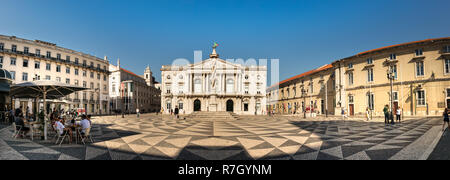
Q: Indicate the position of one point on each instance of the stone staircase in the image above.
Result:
(212, 116)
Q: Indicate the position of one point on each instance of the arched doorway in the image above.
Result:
(197, 105)
(230, 106)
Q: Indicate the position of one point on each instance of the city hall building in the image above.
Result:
(214, 85)
(29, 60)
(421, 81)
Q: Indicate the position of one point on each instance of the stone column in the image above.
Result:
(235, 83)
(188, 83)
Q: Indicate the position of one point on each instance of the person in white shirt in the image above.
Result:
(61, 129)
(85, 124)
(399, 114)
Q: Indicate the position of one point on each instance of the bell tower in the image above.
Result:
(148, 76)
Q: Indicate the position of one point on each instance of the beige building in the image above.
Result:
(130, 92)
(214, 85)
(310, 93)
(29, 60)
(421, 85)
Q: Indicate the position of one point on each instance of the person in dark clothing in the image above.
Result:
(386, 114)
(176, 112)
(19, 122)
(446, 119)
(18, 111)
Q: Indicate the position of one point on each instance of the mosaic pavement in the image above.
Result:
(155, 137)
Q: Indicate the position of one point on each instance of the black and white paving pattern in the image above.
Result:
(253, 138)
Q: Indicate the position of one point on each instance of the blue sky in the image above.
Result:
(302, 34)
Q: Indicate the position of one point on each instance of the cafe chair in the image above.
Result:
(61, 136)
(17, 130)
(86, 136)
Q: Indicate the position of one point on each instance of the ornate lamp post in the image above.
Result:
(391, 76)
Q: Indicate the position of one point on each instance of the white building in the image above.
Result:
(29, 60)
(214, 85)
(130, 92)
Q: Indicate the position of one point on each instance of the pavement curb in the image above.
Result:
(433, 145)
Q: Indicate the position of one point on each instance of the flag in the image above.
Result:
(215, 45)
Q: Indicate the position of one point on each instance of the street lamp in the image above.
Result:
(97, 90)
(304, 101)
(391, 76)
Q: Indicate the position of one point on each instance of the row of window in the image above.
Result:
(37, 65)
(310, 90)
(419, 69)
(420, 98)
(393, 56)
(47, 77)
(26, 50)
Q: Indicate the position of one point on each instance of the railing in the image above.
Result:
(53, 59)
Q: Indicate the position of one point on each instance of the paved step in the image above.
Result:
(212, 116)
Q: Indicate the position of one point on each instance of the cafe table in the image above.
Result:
(32, 126)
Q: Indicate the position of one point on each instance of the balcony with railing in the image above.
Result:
(9, 51)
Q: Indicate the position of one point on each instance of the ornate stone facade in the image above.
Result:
(214, 85)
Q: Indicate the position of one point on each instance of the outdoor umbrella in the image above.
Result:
(5, 81)
(44, 90)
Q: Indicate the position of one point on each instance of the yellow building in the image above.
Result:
(421, 83)
(311, 93)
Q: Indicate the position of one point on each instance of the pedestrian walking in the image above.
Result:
(399, 114)
(446, 119)
(368, 114)
(176, 112)
(343, 114)
(386, 114)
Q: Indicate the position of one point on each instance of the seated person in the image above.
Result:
(19, 122)
(85, 124)
(61, 129)
(89, 118)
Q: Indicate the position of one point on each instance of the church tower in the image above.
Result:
(148, 76)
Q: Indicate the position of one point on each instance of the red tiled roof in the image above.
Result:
(403, 44)
(325, 67)
(129, 72)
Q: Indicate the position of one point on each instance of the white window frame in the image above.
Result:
(38, 64)
(395, 92)
(350, 78)
(13, 75)
(24, 74)
(230, 85)
(416, 68)
(395, 70)
(370, 96)
(198, 85)
(424, 98)
(369, 60)
(418, 52)
(27, 63)
(446, 66)
(393, 56)
(370, 75)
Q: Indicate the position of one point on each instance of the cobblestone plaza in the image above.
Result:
(156, 137)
